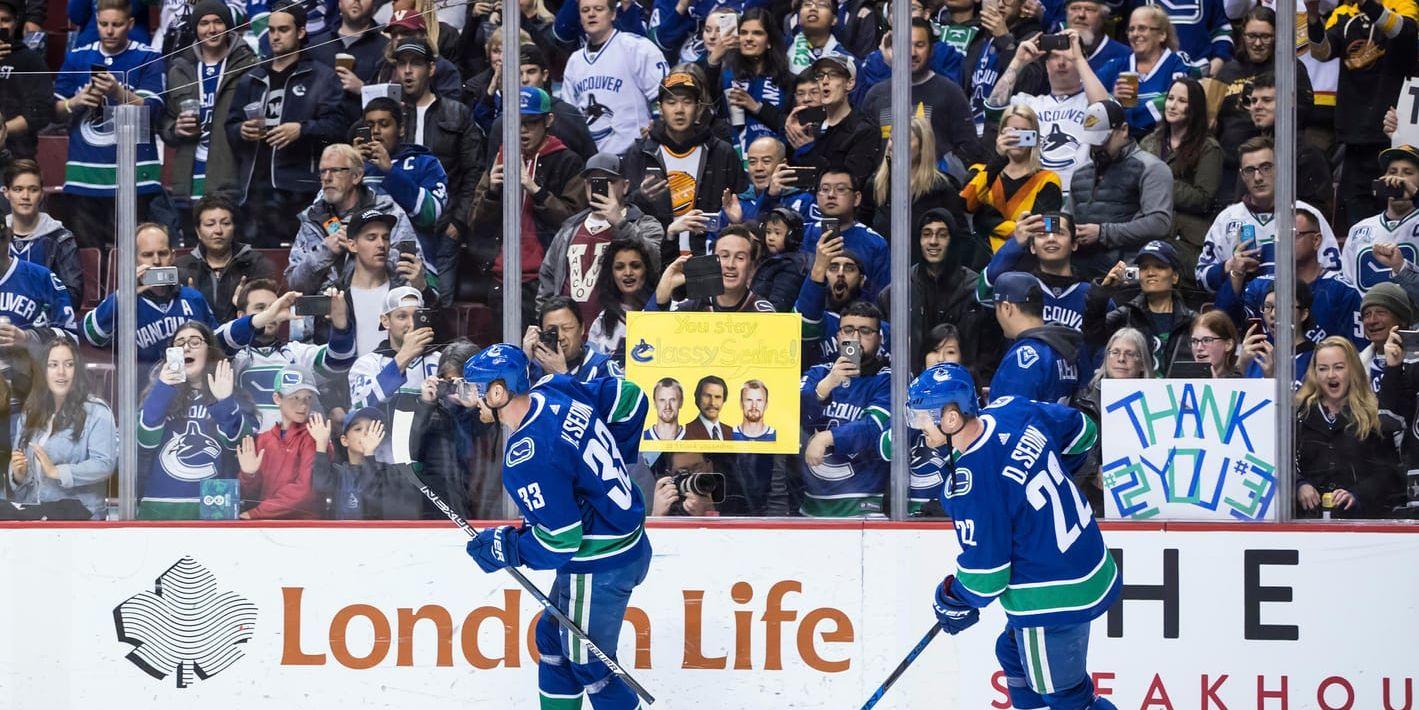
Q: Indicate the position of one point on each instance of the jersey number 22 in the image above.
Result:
(1045, 489)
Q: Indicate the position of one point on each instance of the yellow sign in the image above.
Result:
(717, 382)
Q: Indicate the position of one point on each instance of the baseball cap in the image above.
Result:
(294, 379)
(406, 19)
(835, 62)
(532, 54)
(1018, 287)
(1161, 251)
(371, 413)
(1399, 152)
(401, 296)
(370, 216)
(1100, 120)
(414, 45)
(684, 81)
(533, 101)
(608, 163)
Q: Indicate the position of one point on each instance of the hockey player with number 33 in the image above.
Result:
(564, 465)
(1027, 536)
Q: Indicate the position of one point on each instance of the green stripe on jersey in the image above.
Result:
(1064, 595)
(844, 507)
(567, 539)
(880, 416)
(984, 582)
(558, 702)
(627, 399)
(596, 547)
(1088, 434)
(106, 176)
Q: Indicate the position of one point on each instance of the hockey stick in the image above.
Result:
(547, 605)
(901, 667)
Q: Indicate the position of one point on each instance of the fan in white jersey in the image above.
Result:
(613, 78)
(1398, 224)
(1072, 87)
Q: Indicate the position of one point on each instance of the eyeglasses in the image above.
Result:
(1204, 341)
(1121, 354)
(1258, 37)
(821, 4)
(1143, 28)
(1265, 169)
(333, 171)
(1309, 233)
(859, 330)
(835, 189)
(195, 341)
(1269, 307)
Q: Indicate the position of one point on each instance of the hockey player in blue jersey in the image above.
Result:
(565, 466)
(1027, 535)
(1043, 362)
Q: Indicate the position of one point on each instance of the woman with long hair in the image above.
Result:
(627, 275)
(1155, 61)
(1184, 142)
(191, 423)
(756, 83)
(928, 186)
(1345, 464)
(1013, 183)
(1127, 356)
(1214, 341)
(65, 439)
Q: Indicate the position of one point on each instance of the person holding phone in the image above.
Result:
(191, 423)
(1049, 238)
(1015, 182)
(1258, 355)
(106, 72)
(572, 263)
(838, 200)
(773, 183)
(26, 90)
(845, 138)
(1397, 224)
(401, 363)
(738, 255)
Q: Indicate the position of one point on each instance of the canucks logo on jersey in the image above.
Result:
(190, 455)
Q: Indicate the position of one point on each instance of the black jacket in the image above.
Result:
(219, 288)
(1098, 327)
(854, 144)
(779, 278)
(949, 298)
(26, 89)
(1330, 456)
(313, 99)
(720, 168)
(453, 138)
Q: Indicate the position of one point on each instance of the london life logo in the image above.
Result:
(185, 626)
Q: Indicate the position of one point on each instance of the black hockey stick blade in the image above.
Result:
(902, 667)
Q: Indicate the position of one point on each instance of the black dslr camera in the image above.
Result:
(709, 484)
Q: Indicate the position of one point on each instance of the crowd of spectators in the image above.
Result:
(1092, 195)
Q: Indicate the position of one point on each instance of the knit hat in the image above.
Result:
(1391, 297)
(212, 7)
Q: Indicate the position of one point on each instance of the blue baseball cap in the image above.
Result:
(1160, 251)
(533, 101)
(1018, 287)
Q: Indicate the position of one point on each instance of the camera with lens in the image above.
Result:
(708, 484)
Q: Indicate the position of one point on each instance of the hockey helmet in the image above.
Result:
(498, 362)
(939, 385)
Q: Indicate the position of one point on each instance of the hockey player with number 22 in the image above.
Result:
(1028, 538)
(564, 465)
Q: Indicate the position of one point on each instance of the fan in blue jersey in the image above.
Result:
(1155, 61)
(565, 352)
(1027, 536)
(34, 304)
(1065, 292)
(1043, 362)
(565, 466)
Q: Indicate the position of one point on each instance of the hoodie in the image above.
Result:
(557, 171)
(52, 246)
(1041, 365)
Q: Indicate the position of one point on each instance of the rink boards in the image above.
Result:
(733, 615)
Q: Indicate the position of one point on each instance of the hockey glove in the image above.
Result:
(495, 548)
(953, 614)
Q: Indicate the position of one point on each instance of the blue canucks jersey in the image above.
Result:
(1335, 306)
(158, 322)
(853, 477)
(868, 245)
(820, 325)
(1152, 87)
(1203, 29)
(93, 159)
(33, 297)
(1028, 537)
(1063, 305)
(1033, 369)
(565, 466)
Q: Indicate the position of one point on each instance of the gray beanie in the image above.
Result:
(1391, 297)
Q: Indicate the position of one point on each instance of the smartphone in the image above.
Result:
(312, 306)
(1027, 139)
(160, 276)
(829, 226)
(1385, 191)
(1248, 237)
(1052, 224)
(405, 248)
(728, 23)
(96, 69)
(176, 358)
(332, 225)
(4, 35)
(655, 171)
(703, 277)
(600, 186)
(423, 318)
(466, 391)
(549, 339)
(1255, 323)
(363, 134)
(811, 118)
(851, 351)
(1052, 42)
(805, 177)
